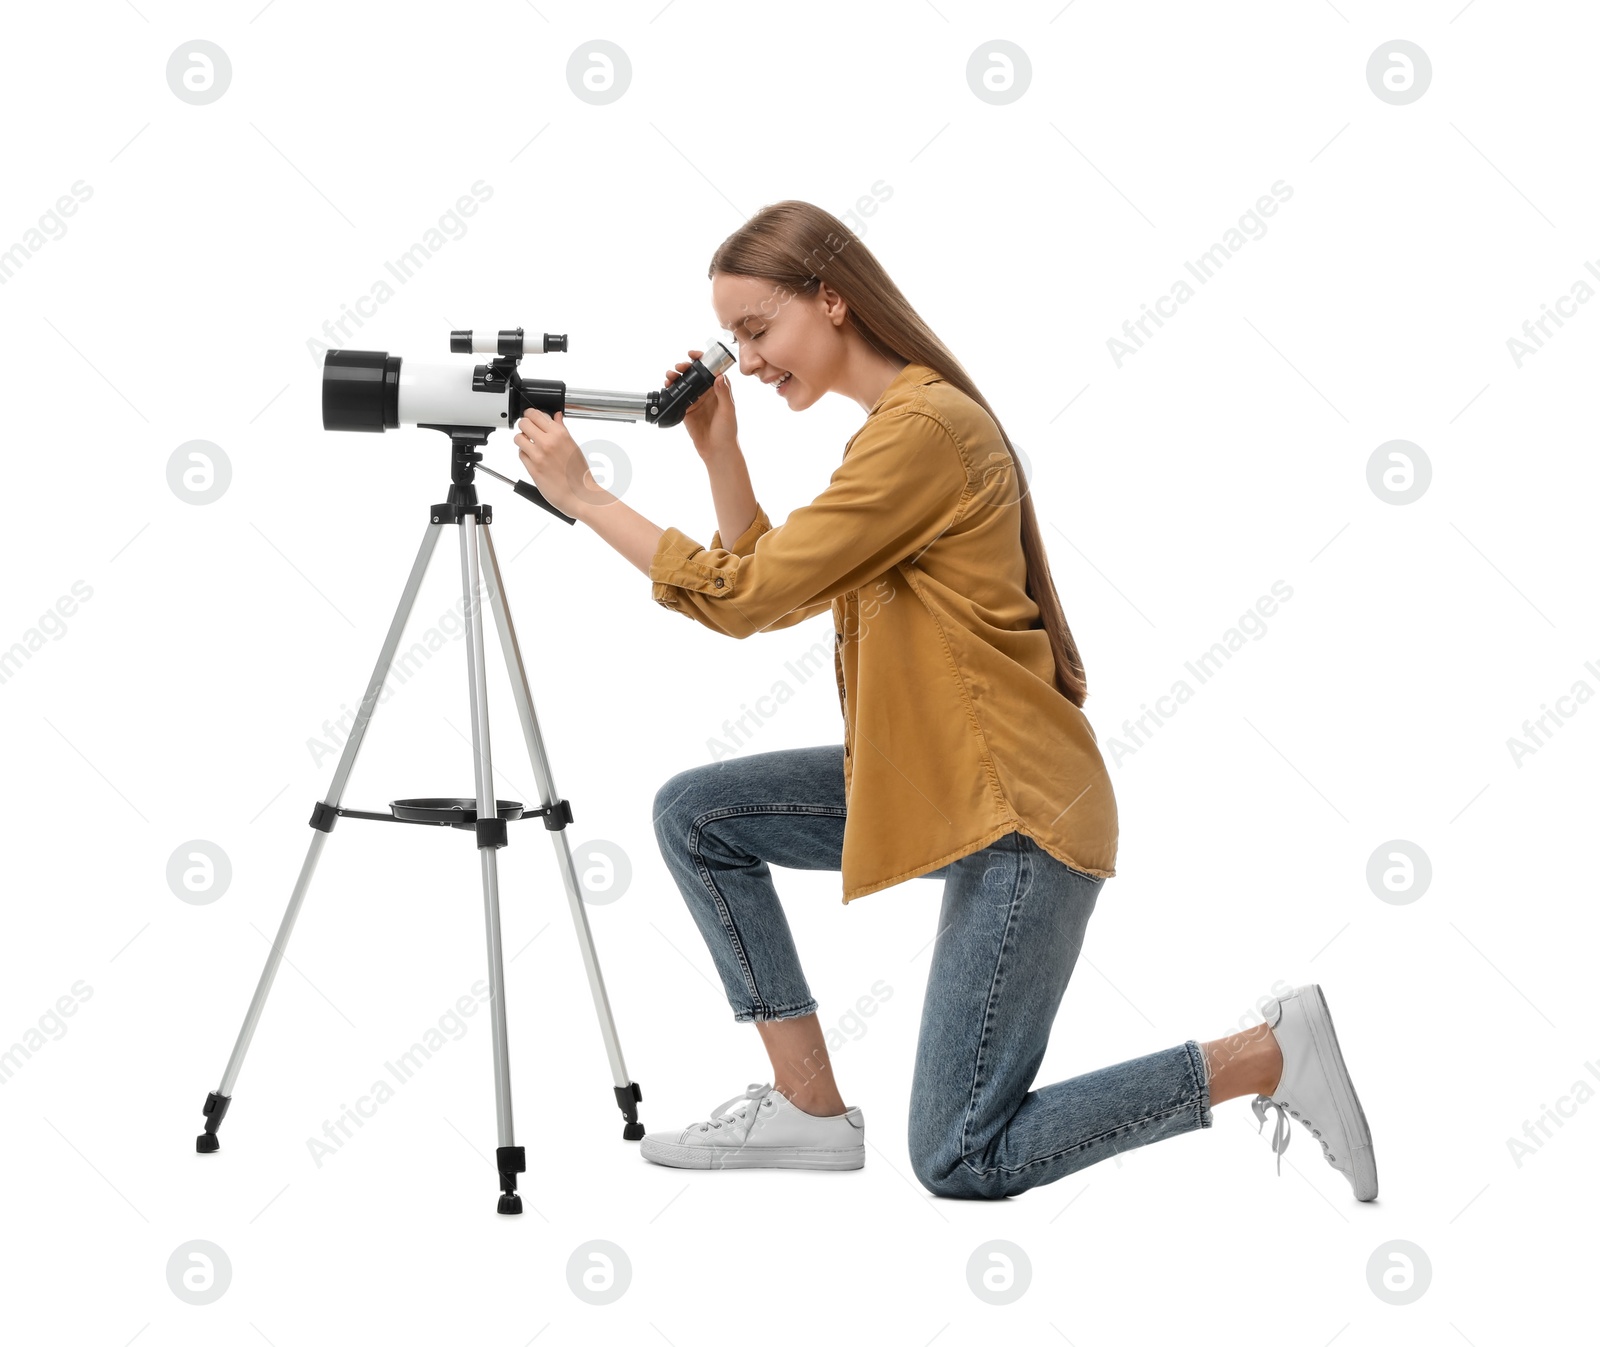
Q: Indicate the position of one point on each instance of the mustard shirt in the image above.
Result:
(954, 733)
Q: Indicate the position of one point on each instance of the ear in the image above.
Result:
(833, 304)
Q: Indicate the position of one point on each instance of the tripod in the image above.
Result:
(485, 816)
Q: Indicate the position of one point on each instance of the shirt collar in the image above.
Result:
(912, 376)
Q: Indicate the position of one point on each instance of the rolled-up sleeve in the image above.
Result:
(745, 543)
(903, 483)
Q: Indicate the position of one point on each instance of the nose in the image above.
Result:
(747, 362)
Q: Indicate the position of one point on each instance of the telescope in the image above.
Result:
(376, 391)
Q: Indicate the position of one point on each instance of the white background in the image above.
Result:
(1231, 452)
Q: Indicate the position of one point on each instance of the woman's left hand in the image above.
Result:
(554, 461)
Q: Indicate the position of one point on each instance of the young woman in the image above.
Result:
(966, 757)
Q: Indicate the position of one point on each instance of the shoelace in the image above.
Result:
(1281, 1130)
(756, 1094)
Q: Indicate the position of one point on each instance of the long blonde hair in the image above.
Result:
(790, 244)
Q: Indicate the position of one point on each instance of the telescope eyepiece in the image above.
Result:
(668, 406)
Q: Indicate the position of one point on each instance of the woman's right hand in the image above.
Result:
(712, 423)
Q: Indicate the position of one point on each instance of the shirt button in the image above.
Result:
(719, 582)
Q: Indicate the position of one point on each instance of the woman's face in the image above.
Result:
(782, 333)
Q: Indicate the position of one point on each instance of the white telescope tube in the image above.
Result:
(442, 395)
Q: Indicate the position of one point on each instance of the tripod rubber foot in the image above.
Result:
(510, 1204)
(633, 1131)
(216, 1107)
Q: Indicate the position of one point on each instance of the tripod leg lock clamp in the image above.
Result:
(491, 832)
(510, 1161)
(450, 512)
(628, 1097)
(324, 816)
(215, 1109)
(556, 816)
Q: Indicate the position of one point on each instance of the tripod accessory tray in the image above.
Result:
(450, 811)
(456, 813)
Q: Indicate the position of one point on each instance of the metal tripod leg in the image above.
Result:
(510, 1159)
(627, 1091)
(477, 564)
(322, 820)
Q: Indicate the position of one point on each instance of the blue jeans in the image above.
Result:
(1010, 927)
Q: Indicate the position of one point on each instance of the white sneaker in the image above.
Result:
(768, 1132)
(1315, 1089)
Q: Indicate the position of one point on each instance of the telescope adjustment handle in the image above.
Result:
(528, 491)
